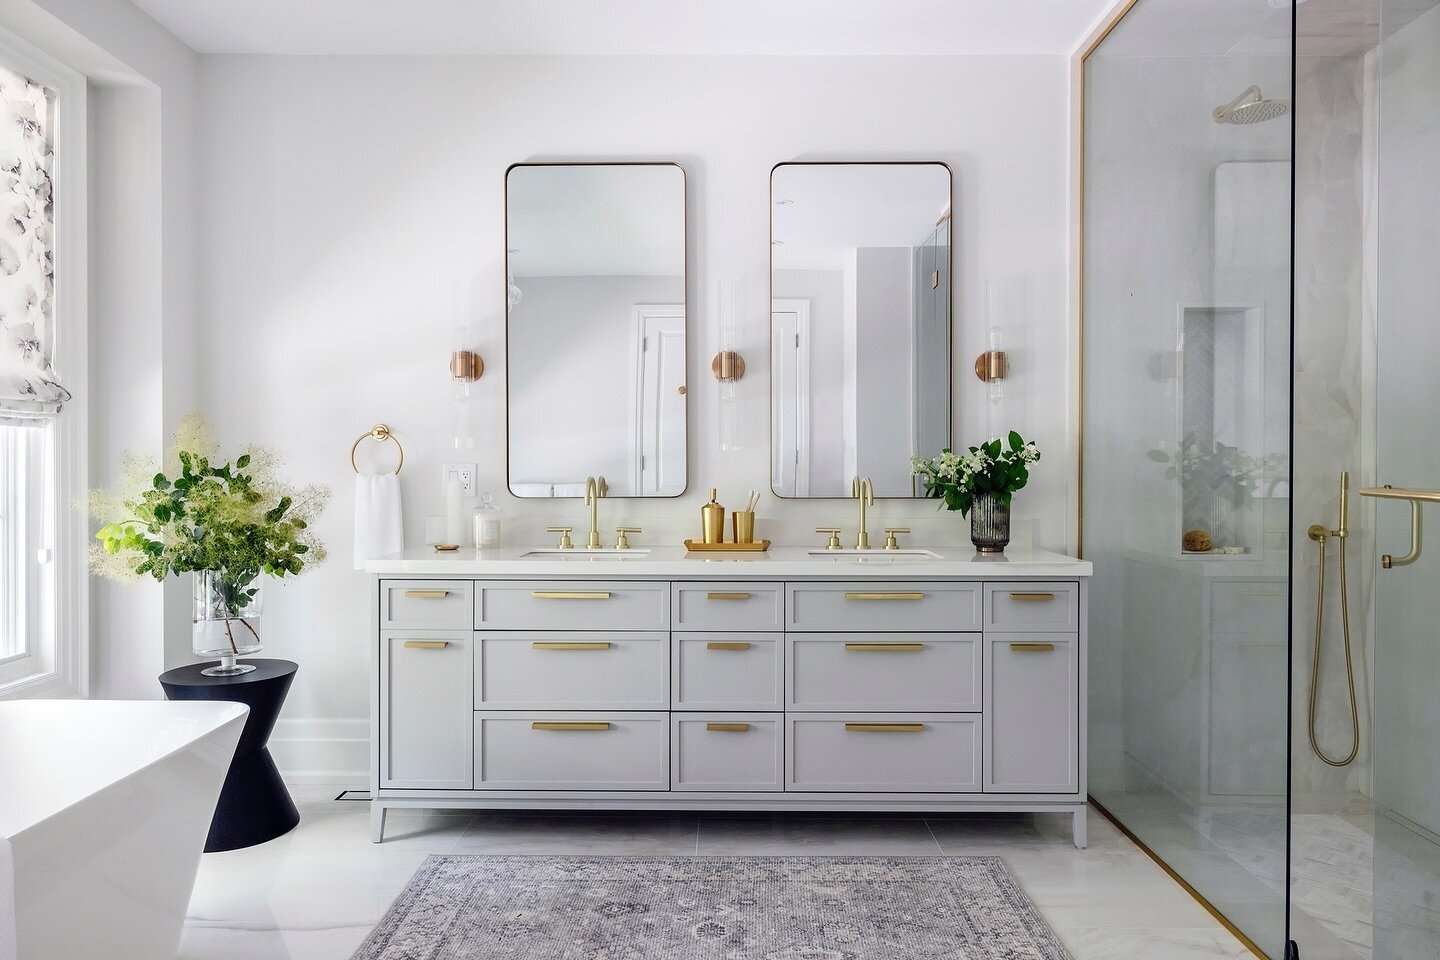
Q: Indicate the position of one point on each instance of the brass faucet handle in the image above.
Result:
(622, 540)
(890, 542)
(834, 542)
(565, 542)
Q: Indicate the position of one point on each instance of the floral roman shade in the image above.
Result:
(29, 388)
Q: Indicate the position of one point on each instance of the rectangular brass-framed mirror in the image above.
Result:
(596, 308)
(860, 324)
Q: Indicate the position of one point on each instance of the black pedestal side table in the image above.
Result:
(254, 805)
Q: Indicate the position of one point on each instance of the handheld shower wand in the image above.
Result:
(1320, 535)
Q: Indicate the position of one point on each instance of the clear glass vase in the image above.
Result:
(225, 622)
(989, 523)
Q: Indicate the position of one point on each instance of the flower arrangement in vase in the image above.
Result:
(980, 484)
(227, 522)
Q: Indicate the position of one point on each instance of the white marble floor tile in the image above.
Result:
(316, 893)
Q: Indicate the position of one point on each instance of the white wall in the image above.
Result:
(342, 196)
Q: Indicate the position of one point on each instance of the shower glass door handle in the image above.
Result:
(1416, 498)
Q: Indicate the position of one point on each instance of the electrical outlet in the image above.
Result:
(466, 473)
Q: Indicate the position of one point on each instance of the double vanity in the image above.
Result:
(886, 679)
(916, 680)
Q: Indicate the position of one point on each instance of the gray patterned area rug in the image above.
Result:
(712, 908)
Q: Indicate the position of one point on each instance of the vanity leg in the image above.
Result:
(1079, 828)
(377, 821)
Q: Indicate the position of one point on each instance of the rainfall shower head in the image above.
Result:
(1251, 107)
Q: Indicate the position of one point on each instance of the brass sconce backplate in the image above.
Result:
(991, 366)
(728, 366)
(466, 365)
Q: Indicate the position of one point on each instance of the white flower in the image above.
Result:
(948, 465)
(973, 463)
(919, 466)
(1030, 453)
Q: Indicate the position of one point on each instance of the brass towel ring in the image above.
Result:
(378, 432)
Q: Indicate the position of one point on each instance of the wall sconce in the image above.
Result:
(466, 367)
(728, 366)
(993, 366)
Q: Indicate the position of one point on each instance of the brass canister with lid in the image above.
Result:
(712, 520)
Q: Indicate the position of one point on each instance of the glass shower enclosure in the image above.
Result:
(1260, 314)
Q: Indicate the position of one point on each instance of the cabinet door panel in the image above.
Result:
(1032, 713)
(426, 710)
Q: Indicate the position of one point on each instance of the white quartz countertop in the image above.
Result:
(777, 562)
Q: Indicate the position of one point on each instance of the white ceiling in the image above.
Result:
(461, 27)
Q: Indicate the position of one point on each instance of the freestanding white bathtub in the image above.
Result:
(104, 808)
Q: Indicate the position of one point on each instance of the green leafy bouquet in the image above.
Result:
(233, 519)
(989, 469)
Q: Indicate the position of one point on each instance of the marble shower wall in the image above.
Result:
(1333, 409)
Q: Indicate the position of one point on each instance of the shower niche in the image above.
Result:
(1218, 461)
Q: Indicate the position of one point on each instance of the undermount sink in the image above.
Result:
(577, 553)
(876, 556)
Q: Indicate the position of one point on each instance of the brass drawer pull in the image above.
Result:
(1032, 647)
(728, 727)
(1032, 597)
(727, 596)
(426, 644)
(885, 647)
(569, 725)
(884, 596)
(727, 645)
(571, 595)
(884, 727)
(570, 645)
(426, 594)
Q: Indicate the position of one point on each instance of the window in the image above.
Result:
(43, 582)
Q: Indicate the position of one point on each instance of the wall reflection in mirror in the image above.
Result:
(860, 285)
(595, 287)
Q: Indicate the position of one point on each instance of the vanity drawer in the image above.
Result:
(728, 606)
(883, 753)
(572, 751)
(569, 670)
(571, 605)
(425, 605)
(1030, 606)
(727, 671)
(727, 751)
(898, 607)
(859, 671)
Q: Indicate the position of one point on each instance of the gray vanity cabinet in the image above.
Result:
(938, 694)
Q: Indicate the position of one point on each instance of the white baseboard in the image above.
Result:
(323, 751)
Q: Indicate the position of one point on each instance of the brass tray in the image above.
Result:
(758, 546)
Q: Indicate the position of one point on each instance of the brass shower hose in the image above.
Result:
(1321, 536)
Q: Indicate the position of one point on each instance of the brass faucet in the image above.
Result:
(593, 492)
(861, 489)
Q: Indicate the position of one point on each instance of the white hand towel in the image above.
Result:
(379, 527)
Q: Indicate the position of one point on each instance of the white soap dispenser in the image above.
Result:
(487, 524)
